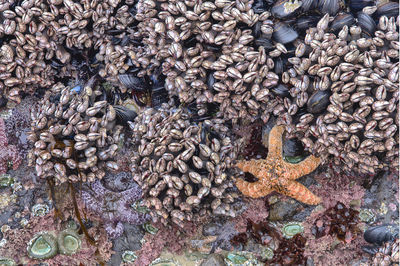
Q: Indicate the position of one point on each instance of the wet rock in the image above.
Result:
(214, 260)
(130, 240)
(118, 182)
(379, 197)
(284, 210)
(211, 229)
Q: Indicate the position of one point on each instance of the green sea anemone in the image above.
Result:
(129, 256)
(42, 246)
(292, 228)
(69, 242)
(149, 228)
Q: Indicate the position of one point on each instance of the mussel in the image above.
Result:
(281, 90)
(329, 6)
(341, 20)
(389, 9)
(284, 33)
(366, 23)
(265, 42)
(303, 23)
(285, 8)
(318, 102)
(381, 233)
(124, 114)
(358, 5)
(131, 82)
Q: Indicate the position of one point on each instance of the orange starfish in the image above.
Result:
(275, 174)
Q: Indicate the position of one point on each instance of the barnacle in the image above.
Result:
(181, 165)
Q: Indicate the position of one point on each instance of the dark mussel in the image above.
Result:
(257, 29)
(284, 34)
(210, 81)
(304, 23)
(3, 101)
(366, 23)
(285, 8)
(124, 114)
(341, 20)
(260, 6)
(329, 6)
(318, 102)
(265, 42)
(358, 5)
(390, 9)
(281, 90)
(131, 82)
(280, 65)
(293, 148)
(308, 5)
(381, 233)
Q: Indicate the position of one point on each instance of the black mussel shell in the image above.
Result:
(284, 34)
(210, 81)
(390, 9)
(318, 102)
(341, 20)
(3, 101)
(358, 5)
(265, 42)
(366, 23)
(132, 82)
(260, 6)
(370, 249)
(279, 65)
(281, 90)
(124, 114)
(159, 96)
(308, 5)
(293, 148)
(304, 23)
(285, 8)
(329, 6)
(381, 233)
(257, 30)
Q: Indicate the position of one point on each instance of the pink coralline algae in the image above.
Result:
(8, 153)
(114, 207)
(169, 237)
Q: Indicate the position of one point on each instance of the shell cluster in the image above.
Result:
(43, 41)
(182, 166)
(75, 135)
(344, 95)
(388, 254)
(211, 55)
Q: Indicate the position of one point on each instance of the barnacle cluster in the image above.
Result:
(182, 165)
(344, 92)
(46, 41)
(75, 134)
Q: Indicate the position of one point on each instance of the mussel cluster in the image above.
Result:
(344, 94)
(75, 134)
(43, 42)
(182, 165)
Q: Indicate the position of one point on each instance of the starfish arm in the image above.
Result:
(275, 142)
(294, 171)
(253, 167)
(301, 193)
(252, 189)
